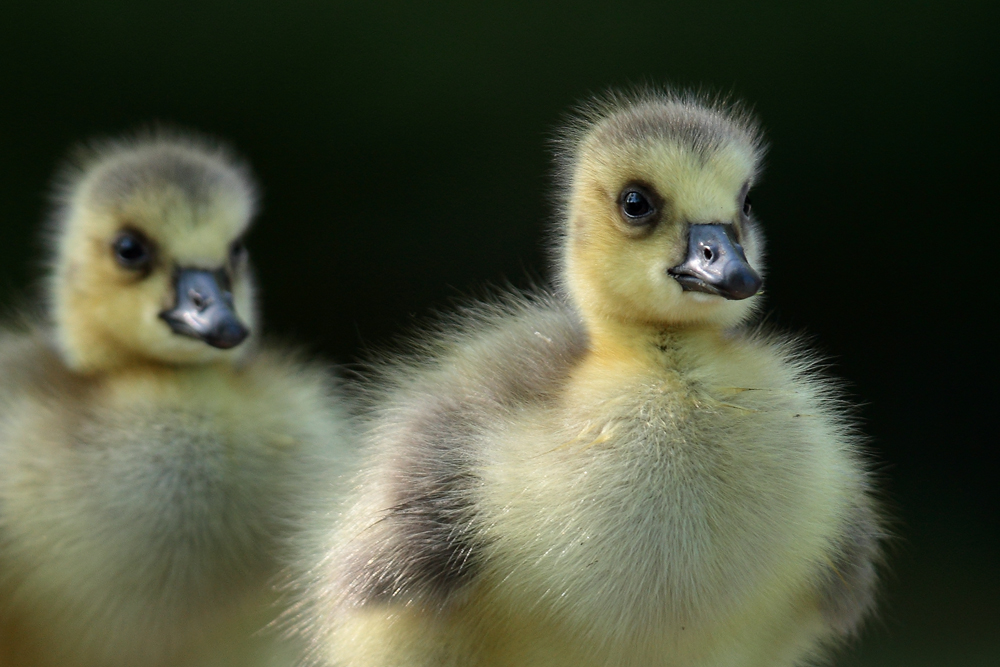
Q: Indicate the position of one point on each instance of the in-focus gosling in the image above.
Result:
(619, 472)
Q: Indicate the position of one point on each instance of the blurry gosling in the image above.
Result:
(617, 473)
(150, 454)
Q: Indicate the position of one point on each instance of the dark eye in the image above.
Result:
(746, 206)
(636, 205)
(132, 250)
(237, 253)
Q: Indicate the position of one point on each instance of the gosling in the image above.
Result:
(151, 455)
(618, 472)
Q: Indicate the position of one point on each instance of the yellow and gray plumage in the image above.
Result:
(618, 472)
(152, 455)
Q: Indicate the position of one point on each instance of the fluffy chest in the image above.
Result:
(663, 498)
(154, 490)
(189, 472)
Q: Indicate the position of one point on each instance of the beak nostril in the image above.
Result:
(708, 253)
(198, 301)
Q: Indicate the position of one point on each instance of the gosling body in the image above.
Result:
(148, 477)
(617, 473)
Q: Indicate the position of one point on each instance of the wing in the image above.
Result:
(416, 534)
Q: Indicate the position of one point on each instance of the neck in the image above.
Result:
(614, 337)
(95, 355)
(88, 355)
(106, 361)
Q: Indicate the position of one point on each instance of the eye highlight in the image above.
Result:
(132, 250)
(636, 205)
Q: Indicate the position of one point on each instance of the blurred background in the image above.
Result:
(402, 150)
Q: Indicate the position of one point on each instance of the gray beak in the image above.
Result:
(716, 264)
(205, 309)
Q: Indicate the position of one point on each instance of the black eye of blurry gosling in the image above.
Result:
(619, 473)
(151, 452)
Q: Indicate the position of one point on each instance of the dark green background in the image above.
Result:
(402, 152)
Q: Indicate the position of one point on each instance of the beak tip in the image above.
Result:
(228, 337)
(744, 285)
